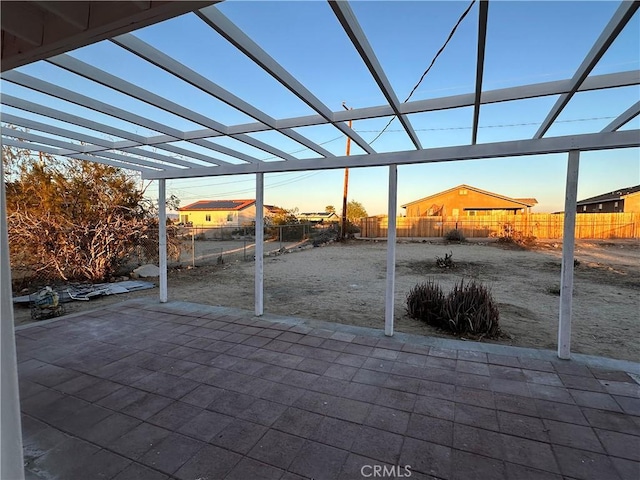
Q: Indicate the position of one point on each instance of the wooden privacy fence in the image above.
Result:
(540, 225)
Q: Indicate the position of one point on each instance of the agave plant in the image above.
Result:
(470, 309)
(425, 302)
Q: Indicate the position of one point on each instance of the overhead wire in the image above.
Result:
(433, 61)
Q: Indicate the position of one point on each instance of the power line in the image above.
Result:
(433, 61)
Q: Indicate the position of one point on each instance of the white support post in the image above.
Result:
(391, 251)
(162, 238)
(259, 273)
(11, 461)
(568, 247)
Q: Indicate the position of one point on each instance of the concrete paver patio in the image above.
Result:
(143, 390)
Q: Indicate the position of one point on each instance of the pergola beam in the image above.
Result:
(103, 78)
(90, 158)
(198, 136)
(49, 112)
(354, 31)
(482, 40)
(41, 86)
(584, 142)
(61, 132)
(624, 118)
(617, 23)
(221, 24)
(172, 66)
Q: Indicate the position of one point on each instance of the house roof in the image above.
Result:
(527, 202)
(219, 205)
(606, 197)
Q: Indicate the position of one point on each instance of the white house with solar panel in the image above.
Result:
(223, 213)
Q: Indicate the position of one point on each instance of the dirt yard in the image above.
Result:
(346, 283)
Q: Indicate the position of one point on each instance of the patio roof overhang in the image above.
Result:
(44, 31)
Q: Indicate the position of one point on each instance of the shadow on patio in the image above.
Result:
(143, 390)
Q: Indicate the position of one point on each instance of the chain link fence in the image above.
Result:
(199, 245)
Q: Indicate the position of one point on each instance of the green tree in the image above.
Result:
(355, 211)
(74, 220)
(330, 209)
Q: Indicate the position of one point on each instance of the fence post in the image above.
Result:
(193, 248)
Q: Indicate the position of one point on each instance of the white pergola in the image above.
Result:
(131, 150)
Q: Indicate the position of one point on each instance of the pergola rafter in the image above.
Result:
(214, 18)
(354, 31)
(620, 18)
(172, 66)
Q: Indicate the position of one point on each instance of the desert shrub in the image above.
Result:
(553, 290)
(425, 302)
(454, 235)
(510, 236)
(446, 261)
(470, 309)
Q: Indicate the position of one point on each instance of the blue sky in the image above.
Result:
(527, 42)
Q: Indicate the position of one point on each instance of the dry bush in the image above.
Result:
(75, 220)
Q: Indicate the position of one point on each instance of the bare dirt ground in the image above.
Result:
(346, 283)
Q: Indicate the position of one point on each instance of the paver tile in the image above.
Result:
(209, 462)
(602, 401)
(335, 432)
(388, 419)
(239, 436)
(171, 453)
(135, 471)
(620, 444)
(175, 415)
(298, 422)
(378, 444)
(255, 470)
(427, 457)
(467, 466)
(523, 426)
(615, 421)
(435, 407)
(627, 469)
(529, 453)
(138, 441)
(584, 465)
(431, 429)
(575, 436)
(277, 448)
(205, 425)
(319, 461)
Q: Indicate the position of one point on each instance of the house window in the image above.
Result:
(615, 204)
(456, 212)
(463, 191)
(584, 208)
(471, 213)
(230, 217)
(207, 218)
(599, 206)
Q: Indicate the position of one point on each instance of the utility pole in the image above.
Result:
(343, 231)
